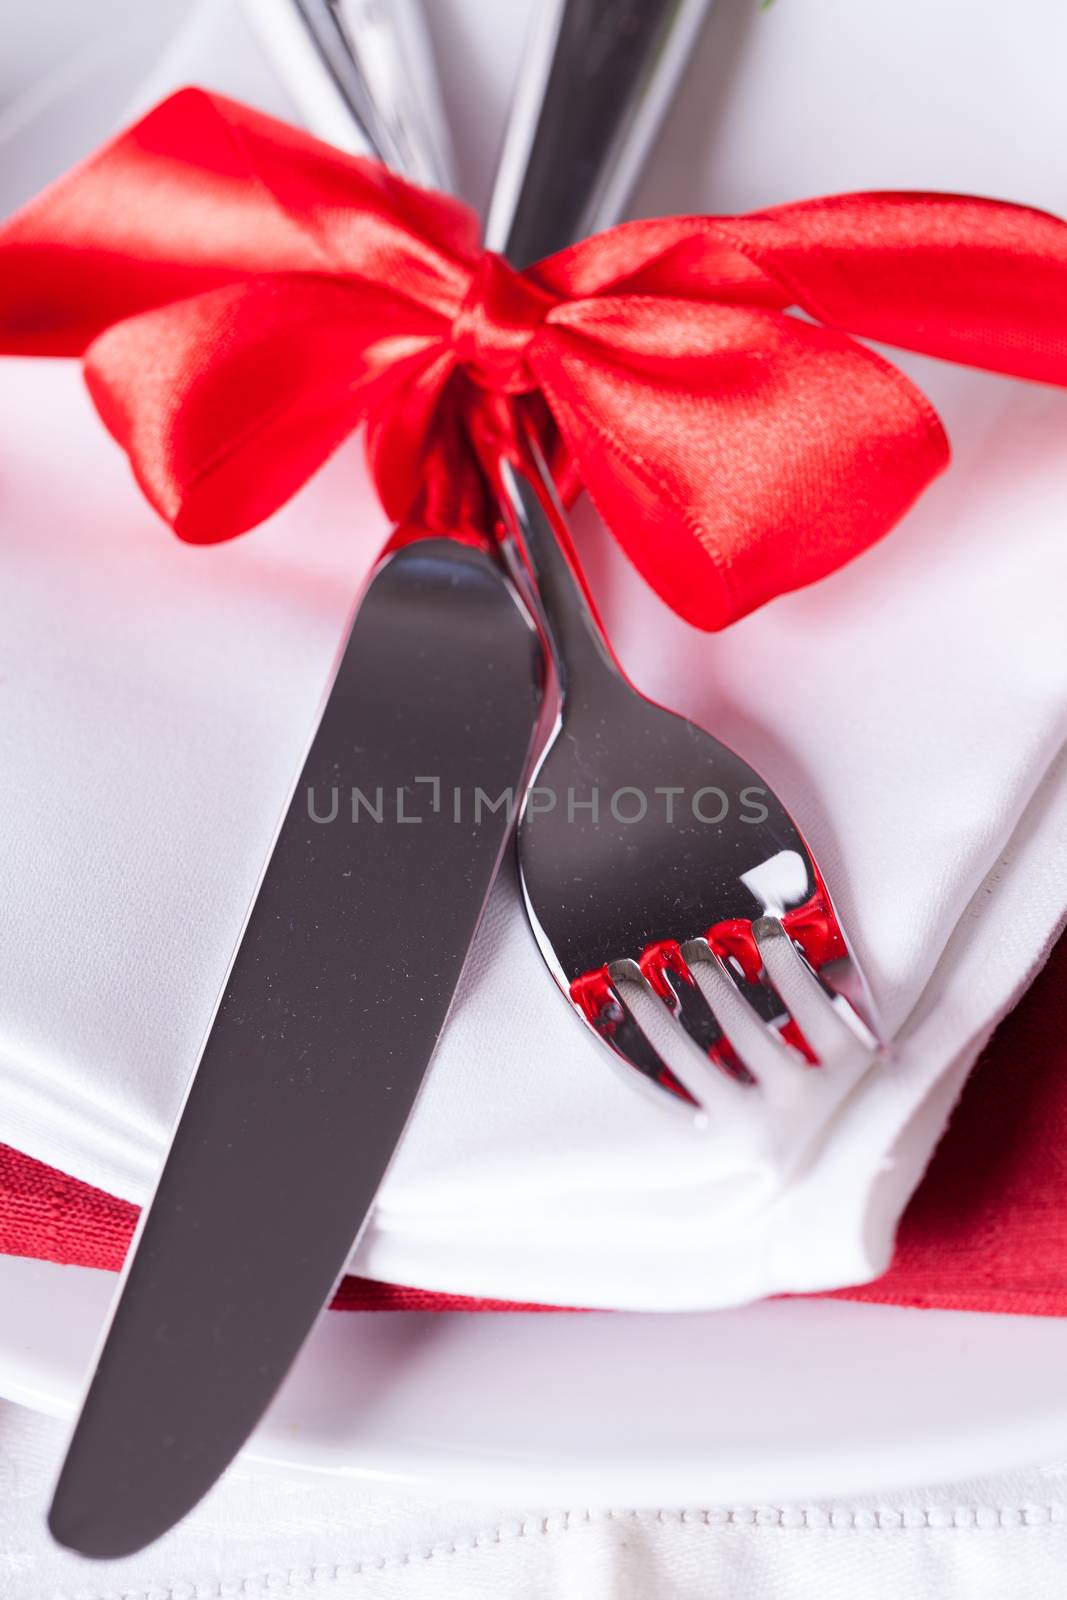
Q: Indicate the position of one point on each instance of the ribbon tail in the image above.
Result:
(423, 451)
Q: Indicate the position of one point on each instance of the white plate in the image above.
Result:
(785, 1401)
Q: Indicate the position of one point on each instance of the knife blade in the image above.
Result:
(327, 1022)
(349, 960)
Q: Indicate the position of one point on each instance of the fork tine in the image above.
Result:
(769, 1059)
(601, 1005)
(833, 1029)
(667, 974)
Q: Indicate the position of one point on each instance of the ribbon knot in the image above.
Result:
(495, 325)
(244, 297)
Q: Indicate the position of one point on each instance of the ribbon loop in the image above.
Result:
(495, 325)
(244, 297)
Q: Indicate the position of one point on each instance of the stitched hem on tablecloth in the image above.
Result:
(856, 1519)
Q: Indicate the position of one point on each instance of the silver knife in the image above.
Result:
(355, 942)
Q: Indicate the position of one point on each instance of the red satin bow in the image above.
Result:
(245, 296)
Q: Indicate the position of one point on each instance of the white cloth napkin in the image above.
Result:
(910, 710)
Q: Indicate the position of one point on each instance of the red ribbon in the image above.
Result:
(244, 297)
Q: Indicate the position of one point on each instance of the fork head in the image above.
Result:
(671, 893)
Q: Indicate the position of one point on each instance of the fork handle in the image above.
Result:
(597, 77)
(555, 590)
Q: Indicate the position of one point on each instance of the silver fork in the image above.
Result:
(668, 888)
(672, 895)
(702, 948)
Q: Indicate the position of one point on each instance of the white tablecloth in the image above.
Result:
(303, 1537)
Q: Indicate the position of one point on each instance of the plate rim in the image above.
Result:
(50, 1381)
